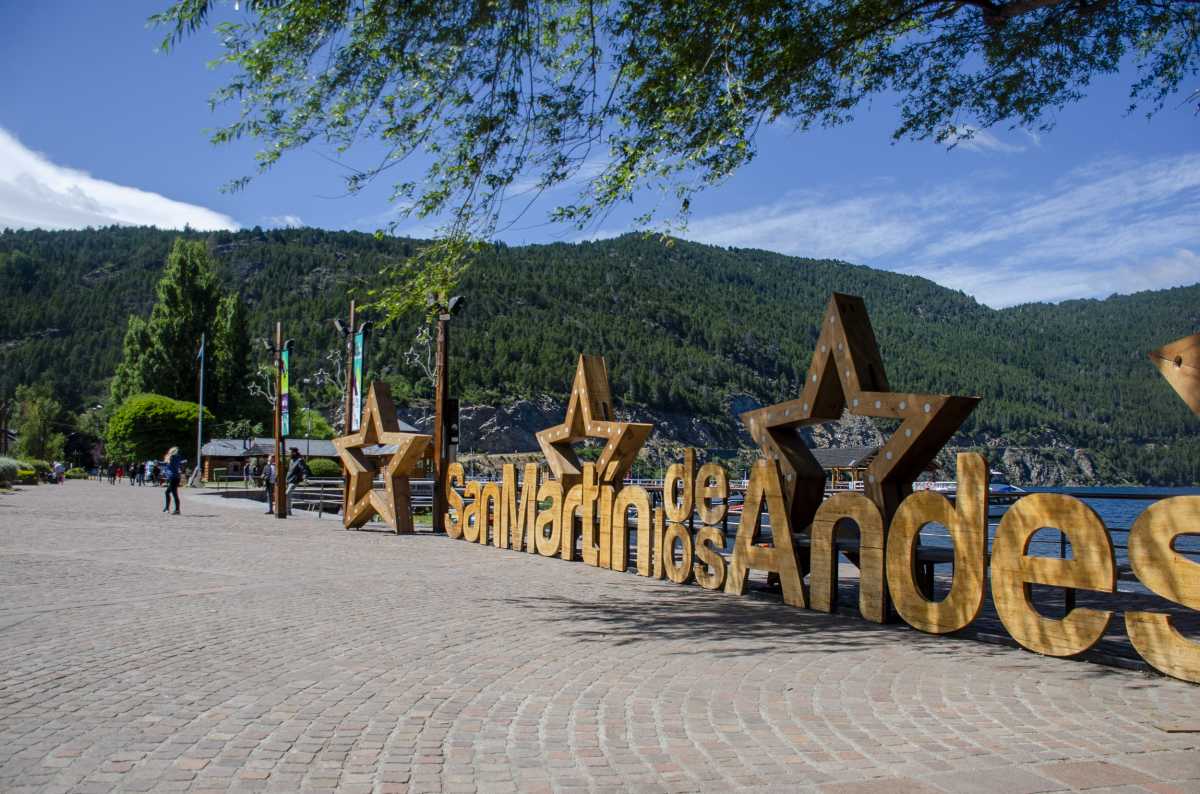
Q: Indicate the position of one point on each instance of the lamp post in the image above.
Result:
(6, 410)
(445, 309)
(280, 485)
(355, 360)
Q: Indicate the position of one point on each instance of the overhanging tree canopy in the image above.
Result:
(502, 100)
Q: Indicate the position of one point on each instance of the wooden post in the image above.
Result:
(5, 410)
(280, 484)
(440, 437)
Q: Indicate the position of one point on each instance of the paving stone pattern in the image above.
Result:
(225, 650)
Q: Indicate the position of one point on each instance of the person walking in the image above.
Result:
(132, 471)
(174, 473)
(268, 477)
(60, 472)
(296, 474)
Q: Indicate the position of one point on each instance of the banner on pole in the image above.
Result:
(360, 339)
(285, 414)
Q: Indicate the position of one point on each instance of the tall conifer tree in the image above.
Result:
(160, 353)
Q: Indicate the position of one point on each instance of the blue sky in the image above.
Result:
(97, 128)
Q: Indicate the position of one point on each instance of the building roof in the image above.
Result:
(253, 447)
(844, 457)
(261, 447)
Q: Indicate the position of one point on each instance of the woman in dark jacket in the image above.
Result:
(174, 466)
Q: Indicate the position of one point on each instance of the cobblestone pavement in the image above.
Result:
(227, 650)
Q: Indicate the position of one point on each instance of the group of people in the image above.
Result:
(297, 471)
(167, 472)
(148, 472)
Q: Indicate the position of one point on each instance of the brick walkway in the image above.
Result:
(227, 650)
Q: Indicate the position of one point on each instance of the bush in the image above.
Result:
(323, 467)
(40, 467)
(76, 474)
(8, 470)
(27, 477)
(147, 425)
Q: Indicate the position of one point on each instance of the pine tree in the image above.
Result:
(230, 357)
(160, 354)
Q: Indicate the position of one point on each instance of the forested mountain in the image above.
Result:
(686, 328)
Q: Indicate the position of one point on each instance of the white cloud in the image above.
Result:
(1117, 226)
(974, 139)
(857, 229)
(38, 194)
(283, 221)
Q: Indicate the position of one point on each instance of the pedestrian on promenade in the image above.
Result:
(297, 472)
(120, 474)
(269, 482)
(132, 471)
(174, 472)
(60, 472)
(112, 473)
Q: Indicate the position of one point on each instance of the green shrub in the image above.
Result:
(322, 467)
(76, 474)
(27, 477)
(8, 469)
(41, 467)
(147, 425)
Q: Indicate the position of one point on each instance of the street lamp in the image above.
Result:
(445, 415)
(277, 350)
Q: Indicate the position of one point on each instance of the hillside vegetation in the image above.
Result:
(686, 328)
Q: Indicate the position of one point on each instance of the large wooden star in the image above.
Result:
(379, 428)
(847, 373)
(590, 415)
(1179, 363)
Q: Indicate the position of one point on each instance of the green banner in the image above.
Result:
(285, 414)
(356, 388)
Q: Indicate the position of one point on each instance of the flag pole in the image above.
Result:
(198, 471)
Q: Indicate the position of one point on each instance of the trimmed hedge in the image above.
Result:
(8, 469)
(27, 477)
(147, 425)
(322, 467)
(76, 474)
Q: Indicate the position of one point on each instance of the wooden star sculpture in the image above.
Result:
(590, 415)
(847, 373)
(379, 428)
(1179, 363)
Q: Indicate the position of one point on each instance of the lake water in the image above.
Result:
(1118, 515)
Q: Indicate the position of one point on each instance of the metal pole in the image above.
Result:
(200, 415)
(346, 430)
(280, 485)
(440, 440)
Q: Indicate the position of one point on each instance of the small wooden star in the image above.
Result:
(847, 373)
(380, 428)
(590, 415)
(1179, 363)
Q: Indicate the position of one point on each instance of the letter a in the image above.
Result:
(781, 558)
